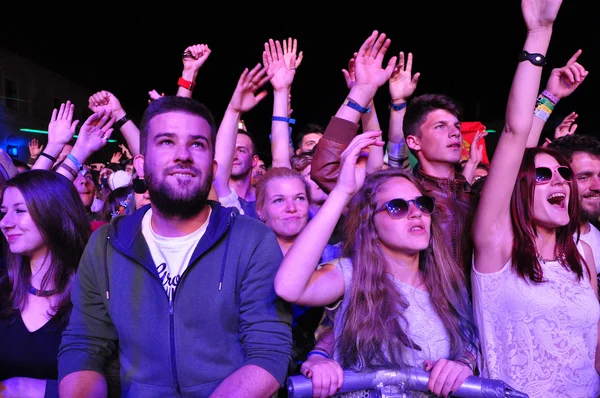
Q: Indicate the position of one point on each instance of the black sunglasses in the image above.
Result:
(543, 175)
(398, 208)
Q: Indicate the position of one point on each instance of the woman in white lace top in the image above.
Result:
(535, 307)
(404, 300)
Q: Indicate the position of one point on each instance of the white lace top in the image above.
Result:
(539, 338)
(424, 327)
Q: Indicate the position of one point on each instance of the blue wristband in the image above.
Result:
(398, 107)
(356, 106)
(283, 119)
(321, 353)
(75, 161)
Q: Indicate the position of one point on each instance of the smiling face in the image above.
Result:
(409, 234)
(285, 207)
(243, 159)
(586, 169)
(18, 227)
(551, 199)
(178, 163)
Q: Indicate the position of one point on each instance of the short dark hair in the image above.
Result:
(570, 144)
(309, 128)
(168, 104)
(418, 109)
(247, 134)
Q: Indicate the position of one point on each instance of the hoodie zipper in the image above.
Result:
(172, 338)
(172, 317)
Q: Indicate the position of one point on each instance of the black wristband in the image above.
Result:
(534, 58)
(52, 158)
(119, 123)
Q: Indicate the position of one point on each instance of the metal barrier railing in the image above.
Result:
(389, 383)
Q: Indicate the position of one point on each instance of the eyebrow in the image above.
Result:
(173, 135)
(14, 205)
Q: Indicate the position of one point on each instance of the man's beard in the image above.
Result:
(589, 215)
(184, 202)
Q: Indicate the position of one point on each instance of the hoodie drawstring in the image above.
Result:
(106, 268)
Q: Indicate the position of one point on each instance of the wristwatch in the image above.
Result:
(535, 58)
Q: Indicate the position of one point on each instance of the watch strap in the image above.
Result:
(535, 58)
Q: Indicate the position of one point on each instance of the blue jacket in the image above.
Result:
(224, 314)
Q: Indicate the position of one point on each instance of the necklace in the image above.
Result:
(561, 258)
(40, 293)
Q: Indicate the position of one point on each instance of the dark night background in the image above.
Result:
(466, 49)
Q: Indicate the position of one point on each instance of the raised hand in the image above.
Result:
(350, 73)
(154, 95)
(289, 51)
(281, 75)
(116, 157)
(476, 150)
(62, 127)
(369, 61)
(402, 82)
(104, 100)
(95, 132)
(245, 97)
(563, 81)
(125, 151)
(540, 14)
(35, 148)
(567, 126)
(195, 56)
(353, 162)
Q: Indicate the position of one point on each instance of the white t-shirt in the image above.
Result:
(171, 255)
(592, 238)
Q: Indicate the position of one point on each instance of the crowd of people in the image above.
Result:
(186, 265)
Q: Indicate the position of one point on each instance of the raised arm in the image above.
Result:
(60, 131)
(492, 230)
(296, 280)
(282, 77)
(93, 136)
(108, 101)
(370, 75)
(561, 83)
(245, 97)
(402, 85)
(193, 58)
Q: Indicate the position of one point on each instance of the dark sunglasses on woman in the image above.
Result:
(398, 208)
(543, 175)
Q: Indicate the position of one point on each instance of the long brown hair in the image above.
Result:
(374, 333)
(57, 211)
(524, 252)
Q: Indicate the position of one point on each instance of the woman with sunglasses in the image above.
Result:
(404, 302)
(536, 308)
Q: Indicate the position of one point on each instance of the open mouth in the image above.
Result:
(454, 146)
(558, 200)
